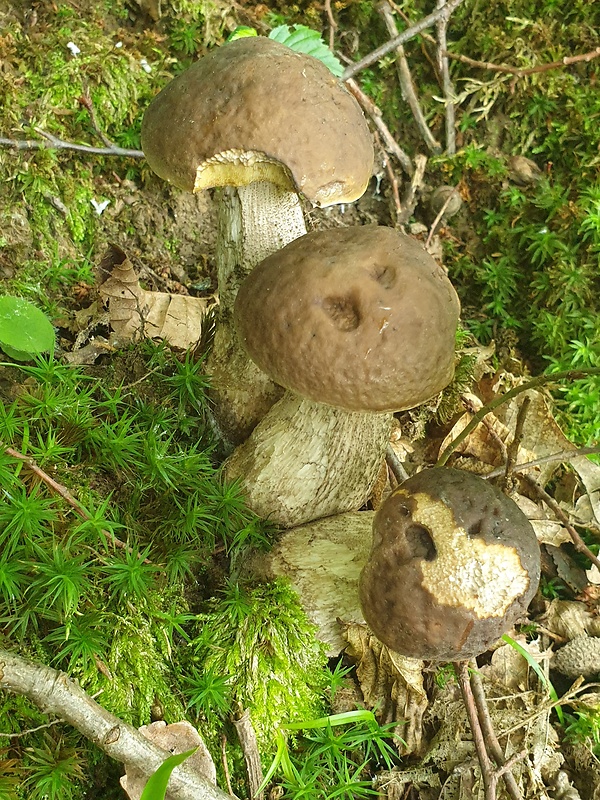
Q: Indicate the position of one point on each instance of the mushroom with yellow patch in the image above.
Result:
(454, 563)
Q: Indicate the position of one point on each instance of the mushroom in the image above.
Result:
(454, 563)
(356, 323)
(268, 123)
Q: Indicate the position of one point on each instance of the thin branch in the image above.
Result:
(374, 112)
(409, 201)
(406, 82)
(402, 38)
(55, 693)
(20, 734)
(513, 449)
(66, 495)
(332, 23)
(438, 218)
(522, 72)
(442, 60)
(51, 142)
(462, 673)
(578, 542)
(562, 456)
(395, 465)
(541, 380)
(86, 101)
(489, 734)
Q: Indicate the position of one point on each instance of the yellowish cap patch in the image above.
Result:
(467, 572)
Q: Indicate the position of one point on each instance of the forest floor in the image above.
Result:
(160, 626)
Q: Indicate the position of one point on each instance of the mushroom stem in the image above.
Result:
(254, 221)
(307, 460)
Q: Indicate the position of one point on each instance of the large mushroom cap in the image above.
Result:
(240, 113)
(454, 563)
(359, 318)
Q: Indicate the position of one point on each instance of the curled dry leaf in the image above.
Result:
(136, 313)
(570, 619)
(390, 683)
(174, 739)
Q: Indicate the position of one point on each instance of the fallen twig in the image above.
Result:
(332, 23)
(541, 380)
(442, 59)
(406, 83)
(480, 724)
(402, 38)
(562, 455)
(489, 734)
(66, 495)
(391, 145)
(55, 693)
(247, 736)
(519, 72)
(578, 542)
(409, 201)
(513, 449)
(51, 142)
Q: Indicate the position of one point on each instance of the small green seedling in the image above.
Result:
(156, 787)
(25, 331)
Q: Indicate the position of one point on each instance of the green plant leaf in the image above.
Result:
(241, 32)
(25, 331)
(538, 671)
(305, 40)
(156, 788)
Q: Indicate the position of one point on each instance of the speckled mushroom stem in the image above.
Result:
(254, 222)
(306, 460)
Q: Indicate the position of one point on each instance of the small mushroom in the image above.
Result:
(269, 123)
(356, 323)
(454, 563)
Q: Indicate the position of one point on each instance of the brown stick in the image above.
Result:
(489, 734)
(374, 112)
(332, 23)
(578, 542)
(462, 672)
(513, 449)
(402, 38)
(249, 745)
(66, 495)
(441, 27)
(563, 455)
(409, 201)
(521, 73)
(406, 83)
(51, 142)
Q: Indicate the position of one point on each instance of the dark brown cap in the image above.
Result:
(247, 108)
(454, 563)
(359, 318)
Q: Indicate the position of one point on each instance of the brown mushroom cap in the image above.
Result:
(454, 563)
(358, 318)
(247, 108)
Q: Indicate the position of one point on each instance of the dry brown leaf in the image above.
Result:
(569, 619)
(486, 441)
(390, 683)
(138, 314)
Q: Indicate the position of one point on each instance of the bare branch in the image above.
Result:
(374, 112)
(562, 455)
(441, 27)
(521, 73)
(51, 142)
(402, 38)
(406, 83)
(55, 693)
